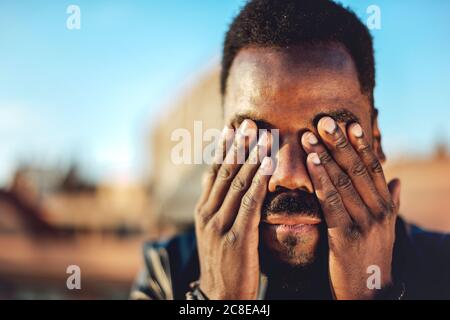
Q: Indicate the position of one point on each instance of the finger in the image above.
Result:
(226, 139)
(249, 213)
(370, 160)
(352, 201)
(395, 189)
(333, 207)
(241, 182)
(236, 155)
(347, 158)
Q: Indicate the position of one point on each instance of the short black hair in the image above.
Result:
(282, 23)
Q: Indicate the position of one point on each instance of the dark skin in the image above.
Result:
(329, 147)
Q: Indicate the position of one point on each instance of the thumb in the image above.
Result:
(394, 189)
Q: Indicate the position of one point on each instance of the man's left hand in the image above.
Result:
(359, 207)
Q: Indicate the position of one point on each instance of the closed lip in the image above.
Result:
(290, 220)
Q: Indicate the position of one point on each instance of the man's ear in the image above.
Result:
(376, 134)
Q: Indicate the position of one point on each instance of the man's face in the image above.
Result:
(289, 89)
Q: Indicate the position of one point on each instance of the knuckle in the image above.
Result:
(200, 221)
(323, 179)
(358, 169)
(375, 166)
(341, 142)
(353, 232)
(386, 206)
(332, 199)
(201, 215)
(224, 173)
(215, 226)
(238, 184)
(198, 210)
(256, 182)
(343, 181)
(382, 211)
(203, 220)
(380, 217)
(213, 170)
(364, 148)
(248, 202)
(231, 238)
(325, 157)
(389, 207)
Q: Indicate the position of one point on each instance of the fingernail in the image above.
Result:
(244, 128)
(315, 158)
(312, 140)
(328, 124)
(357, 130)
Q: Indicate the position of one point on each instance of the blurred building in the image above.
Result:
(425, 195)
(176, 187)
(65, 200)
(52, 218)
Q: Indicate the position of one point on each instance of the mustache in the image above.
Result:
(291, 202)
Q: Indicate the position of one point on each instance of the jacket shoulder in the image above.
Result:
(169, 267)
(432, 244)
(431, 252)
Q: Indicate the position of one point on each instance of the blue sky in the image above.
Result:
(91, 94)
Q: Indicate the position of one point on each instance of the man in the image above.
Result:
(316, 219)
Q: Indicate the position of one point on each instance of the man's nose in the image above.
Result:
(290, 171)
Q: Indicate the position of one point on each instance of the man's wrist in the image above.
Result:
(196, 293)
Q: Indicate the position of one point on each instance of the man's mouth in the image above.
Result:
(289, 223)
(290, 219)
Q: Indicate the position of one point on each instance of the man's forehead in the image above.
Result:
(271, 72)
(275, 85)
(327, 55)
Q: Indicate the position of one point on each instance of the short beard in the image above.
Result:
(306, 278)
(301, 261)
(272, 264)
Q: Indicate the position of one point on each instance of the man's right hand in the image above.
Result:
(228, 215)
